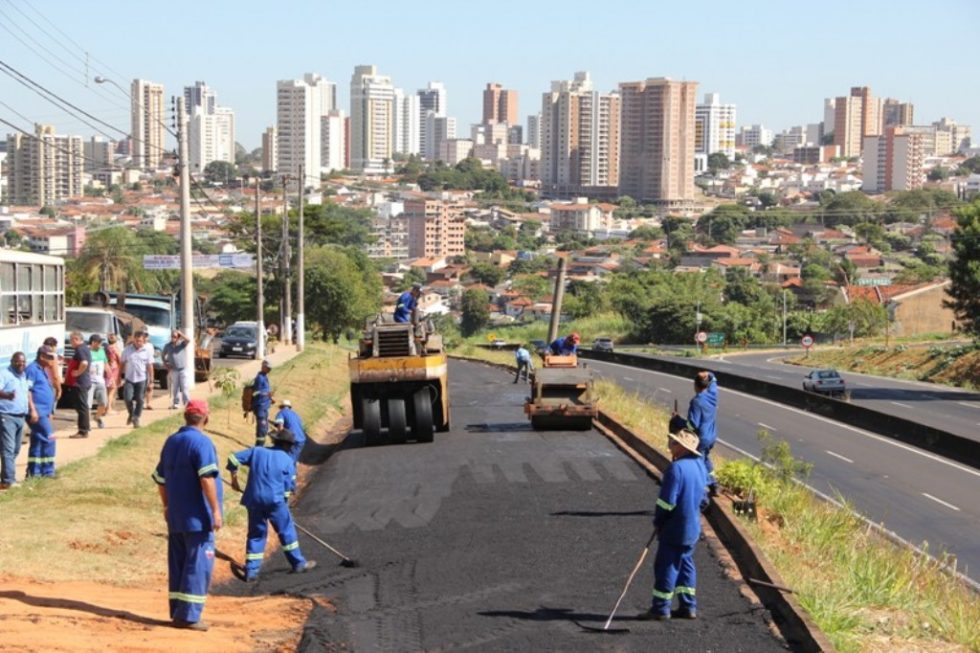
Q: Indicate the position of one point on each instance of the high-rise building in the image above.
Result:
(856, 116)
(499, 105)
(893, 161)
(211, 129)
(959, 134)
(754, 136)
(714, 130)
(334, 138)
(408, 127)
(433, 98)
(657, 161)
(372, 121)
(300, 105)
(270, 150)
(438, 130)
(534, 130)
(432, 104)
(147, 124)
(45, 168)
(580, 139)
(436, 228)
(897, 114)
(788, 140)
(99, 154)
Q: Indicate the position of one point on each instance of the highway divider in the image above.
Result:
(942, 443)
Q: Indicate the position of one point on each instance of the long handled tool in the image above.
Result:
(629, 581)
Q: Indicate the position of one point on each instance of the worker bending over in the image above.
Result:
(565, 346)
(289, 419)
(677, 522)
(271, 481)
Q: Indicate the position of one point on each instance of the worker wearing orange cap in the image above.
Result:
(565, 346)
(186, 477)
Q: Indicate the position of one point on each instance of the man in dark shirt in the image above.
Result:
(82, 380)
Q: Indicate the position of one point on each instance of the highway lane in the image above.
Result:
(918, 495)
(495, 537)
(950, 409)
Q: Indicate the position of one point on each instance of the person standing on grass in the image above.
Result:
(523, 358)
(271, 481)
(175, 360)
(97, 391)
(289, 419)
(16, 406)
(40, 455)
(702, 414)
(677, 522)
(81, 380)
(261, 403)
(137, 362)
(190, 490)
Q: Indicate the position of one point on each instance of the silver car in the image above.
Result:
(602, 344)
(827, 382)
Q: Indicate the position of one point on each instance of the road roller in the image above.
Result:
(562, 396)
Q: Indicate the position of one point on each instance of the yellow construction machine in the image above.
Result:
(399, 386)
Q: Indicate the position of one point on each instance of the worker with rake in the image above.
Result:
(271, 481)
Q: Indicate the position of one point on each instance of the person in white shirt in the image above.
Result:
(137, 362)
(97, 394)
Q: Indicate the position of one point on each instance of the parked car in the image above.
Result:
(498, 344)
(602, 344)
(827, 382)
(240, 339)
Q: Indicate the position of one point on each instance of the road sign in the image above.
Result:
(701, 337)
(172, 262)
(807, 341)
(716, 339)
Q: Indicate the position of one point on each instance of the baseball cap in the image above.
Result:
(197, 407)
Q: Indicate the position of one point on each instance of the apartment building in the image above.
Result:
(893, 161)
(333, 141)
(99, 155)
(657, 161)
(408, 127)
(147, 124)
(270, 150)
(300, 107)
(211, 128)
(438, 131)
(391, 237)
(436, 228)
(895, 113)
(714, 130)
(856, 116)
(579, 216)
(754, 136)
(580, 139)
(45, 168)
(499, 105)
(372, 121)
(534, 130)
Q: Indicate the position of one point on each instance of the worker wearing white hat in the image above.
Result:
(288, 419)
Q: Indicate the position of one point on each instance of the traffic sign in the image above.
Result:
(716, 339)
(701, 337)
(807, 341)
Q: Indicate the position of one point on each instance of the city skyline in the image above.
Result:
(749, 55)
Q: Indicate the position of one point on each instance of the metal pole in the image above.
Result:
(260, 299)
(784, 318)
(287, 293)
(186, 253)
(283, 318)
(300, 335)
(559, 296)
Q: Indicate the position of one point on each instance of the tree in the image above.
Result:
(718, 161)
(971, 165)
(849, 208)
(219, 172)
(412, 277)
(964, 269)
(114, 255)
(487, 274)
(476, 313)
(723, 224)
(231, 295)
(646, 232)
(346, 288)
(938, 173)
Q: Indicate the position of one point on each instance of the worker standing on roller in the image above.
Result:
(271, 481)
(407, 302)
(677, 521)
(289, 419)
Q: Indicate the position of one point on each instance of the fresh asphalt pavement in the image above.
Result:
(921, 497)
(494, 537)
(942, 407)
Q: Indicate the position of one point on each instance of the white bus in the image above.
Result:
(32, 302)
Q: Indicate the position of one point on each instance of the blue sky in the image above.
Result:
(776, 60)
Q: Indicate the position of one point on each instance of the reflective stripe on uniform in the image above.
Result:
(41, 460)
(663, 504)
(291, 546)
(188, 598)
(254, 556)
(666, 596)
(159, 479)
(233, 461)
(207, 468)
(681, 589)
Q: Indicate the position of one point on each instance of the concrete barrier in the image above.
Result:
(939, 442)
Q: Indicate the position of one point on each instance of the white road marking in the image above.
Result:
(628, 378)
(898, 403)
(967, 403)
(666, 390)
(773, 376)
(867, 434)
(837, 455)
(940, 501)
(766, 426)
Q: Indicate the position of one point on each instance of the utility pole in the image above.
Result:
(287, 302)
(260, 318)
(300, 335)
(186, 253)
(784, 318)
(557, 300)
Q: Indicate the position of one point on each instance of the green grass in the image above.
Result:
(608, 325)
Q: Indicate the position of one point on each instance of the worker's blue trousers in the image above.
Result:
(258, 527)
(674, 573)
(40, 453)
(190, 560)
(261, 424)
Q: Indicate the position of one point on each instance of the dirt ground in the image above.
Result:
(79, 616)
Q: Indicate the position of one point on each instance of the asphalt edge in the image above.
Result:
(795, 625)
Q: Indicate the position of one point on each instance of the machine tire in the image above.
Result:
(371, 421)
(397, 421)
(422, 425)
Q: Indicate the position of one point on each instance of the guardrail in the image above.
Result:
(942, 443)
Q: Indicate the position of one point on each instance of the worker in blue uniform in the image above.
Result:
(677, 522)
(289, 419)
(186, 478)
(271, 481)
(702, 414)
(565, 346)
(261, 402)
(41, 451)
(407, 302)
